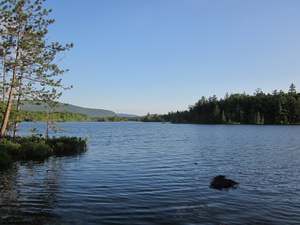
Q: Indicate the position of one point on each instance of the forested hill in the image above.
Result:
(260, 108)
(71, 108)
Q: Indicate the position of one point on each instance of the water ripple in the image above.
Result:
(151, 173)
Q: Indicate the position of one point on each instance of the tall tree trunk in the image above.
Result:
(18, 108)
(47, 129)
(12, 89)
(49, 122)
(7, 111)
(4, 79)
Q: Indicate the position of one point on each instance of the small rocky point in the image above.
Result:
(221, 182)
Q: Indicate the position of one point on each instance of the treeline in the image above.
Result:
(151, 118)
(58, 116)
(147, 118)
(110, 119)
(43, 116)
(66, 116)
(260, 108)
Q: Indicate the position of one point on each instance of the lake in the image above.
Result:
(156, 173)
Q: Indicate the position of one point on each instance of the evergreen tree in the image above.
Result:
(27, 57)
(147, 118)
(292, 89)
(223, 119)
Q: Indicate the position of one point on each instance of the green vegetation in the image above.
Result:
(63, 146)
(29, 74)
(5, 159)
(147, 118)
(153, 118)
(27, 106)
(58, 116)
(27, 60)
(38, 148)
(276, 108)
(33, 115)
(111, 119)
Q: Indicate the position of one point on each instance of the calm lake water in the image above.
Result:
(154, 173)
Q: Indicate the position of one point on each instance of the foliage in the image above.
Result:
(153, 118)
(26, 57)
(26, 148)
(57, 116)
(5, 159)
(260, 108)
(148, 118)
(50, 97)
(39, 148)
(36, 150)
(67, 145)
(28, 106)
(9, 146)
(111, 119)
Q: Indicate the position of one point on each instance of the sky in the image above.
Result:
(158, 56)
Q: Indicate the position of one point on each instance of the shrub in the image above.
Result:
(67, 145)
(36, 150)
(11, 148)
(5, 159)
(39, 148)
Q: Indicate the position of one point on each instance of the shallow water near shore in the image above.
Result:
(155, 173)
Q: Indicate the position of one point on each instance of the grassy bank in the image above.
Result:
(38, 148)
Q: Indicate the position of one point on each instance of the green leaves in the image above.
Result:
(27, 58)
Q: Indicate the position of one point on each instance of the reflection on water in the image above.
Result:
(151, 173)
(28, 191)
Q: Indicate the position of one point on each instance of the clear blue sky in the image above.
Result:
(157, 56)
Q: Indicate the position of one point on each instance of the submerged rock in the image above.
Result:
(220, 182)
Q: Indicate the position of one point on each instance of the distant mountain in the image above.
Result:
(71, 108)
(126, 115)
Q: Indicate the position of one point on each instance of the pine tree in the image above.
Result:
(223, 118)
(27, 57)
(292, 89)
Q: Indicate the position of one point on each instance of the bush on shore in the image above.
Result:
(38, 148)
(67, 145)
(5, 159)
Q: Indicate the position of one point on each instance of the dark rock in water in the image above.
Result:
(220, 182)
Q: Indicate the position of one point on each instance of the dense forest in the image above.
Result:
(43, 116)
(63, 116)
(58, 116)
(29, 106)
(260, 108)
